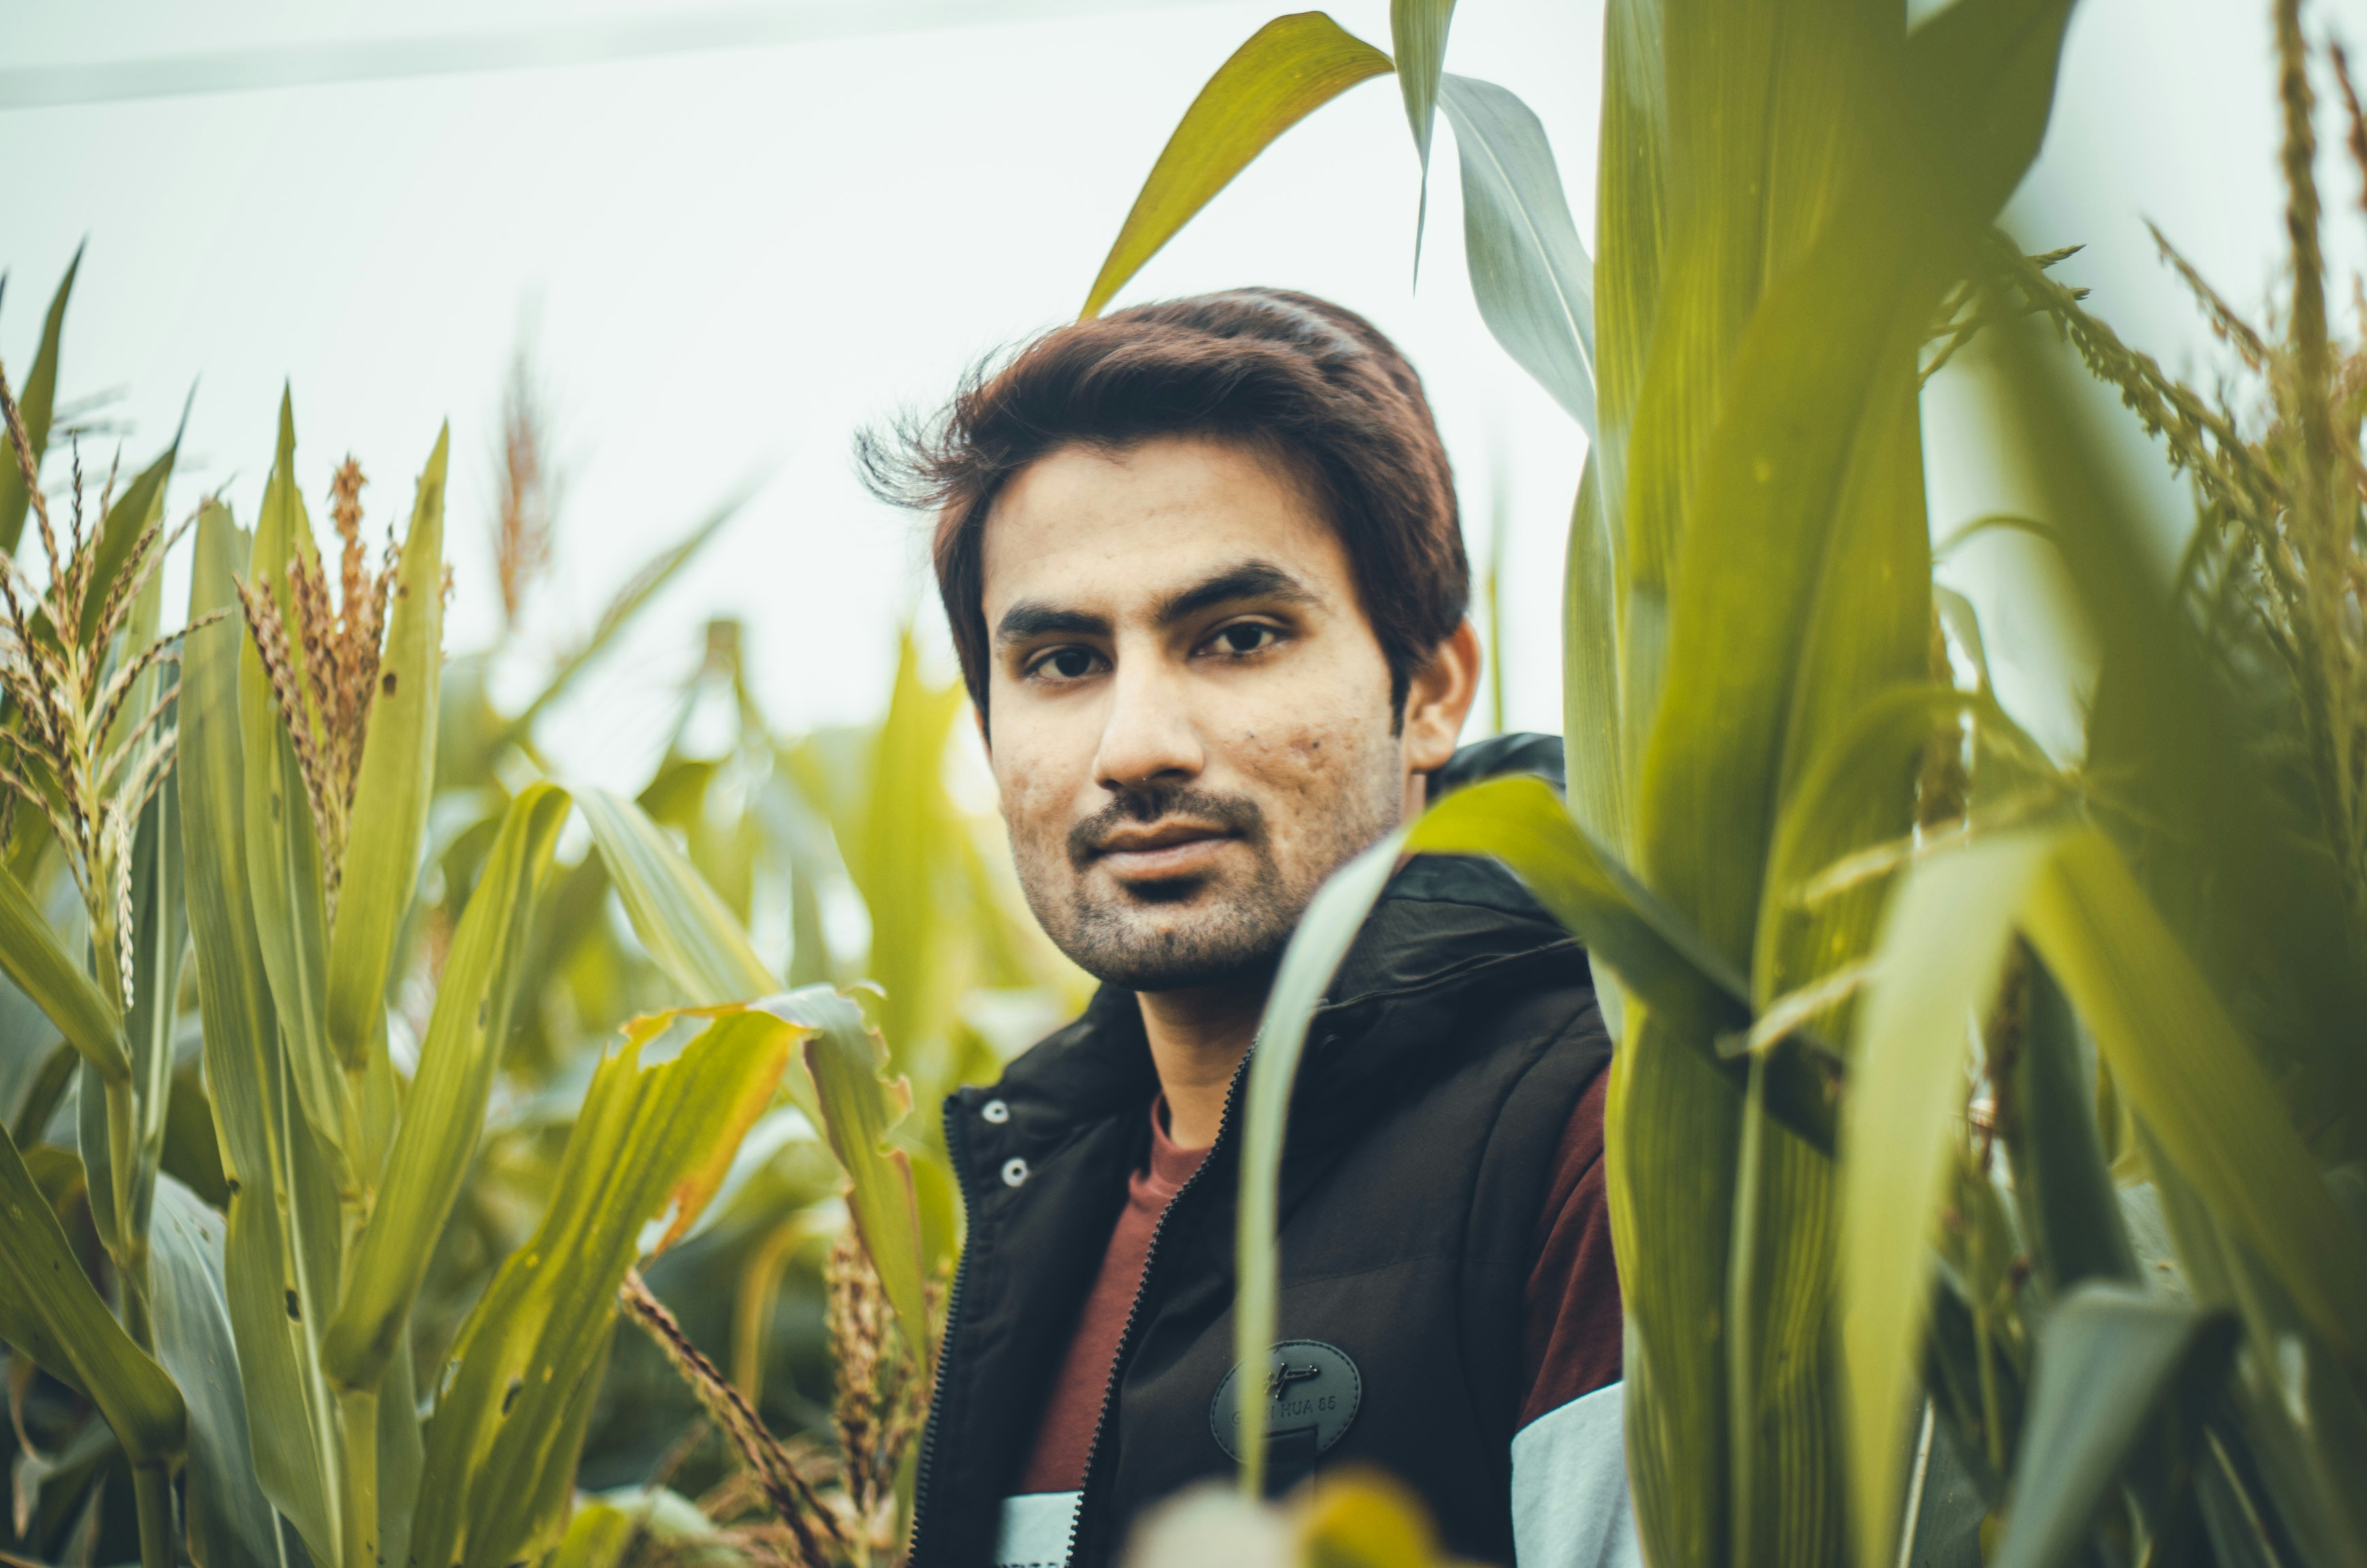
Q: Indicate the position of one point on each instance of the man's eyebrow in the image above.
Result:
(1250, 580)
(1033, 618)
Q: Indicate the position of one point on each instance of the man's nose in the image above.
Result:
(1150, 737)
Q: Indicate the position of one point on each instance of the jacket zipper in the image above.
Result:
(1134, 1312)
(957, 1150)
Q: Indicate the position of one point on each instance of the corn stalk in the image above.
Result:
(1804, 851)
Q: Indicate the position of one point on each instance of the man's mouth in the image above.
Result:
(1161, 849)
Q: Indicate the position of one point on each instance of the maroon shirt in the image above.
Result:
(1570, 1335)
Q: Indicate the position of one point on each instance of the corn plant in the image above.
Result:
(260, 1355)
(1808, 854)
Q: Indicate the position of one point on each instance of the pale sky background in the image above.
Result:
(739, 254)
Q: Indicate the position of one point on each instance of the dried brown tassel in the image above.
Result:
(271, 645)
(791, 1498)
(877, 1410)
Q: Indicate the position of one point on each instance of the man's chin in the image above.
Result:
(1164, 943)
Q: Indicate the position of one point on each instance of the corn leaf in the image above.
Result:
(1417, 39)
(1290, 68)
(266, 1146)
(686, 928)
(1630, 220)
(1531, 276)
(44, 971)
(1943, 945)
(2070, 1213)
(502, 1444)
(1523, 823)
(230, 1521)
(1325, 934)
(2196, 1084)
(1657, 957)
(901, 853)
(2109, 1360)
(36, 399)
(50, 1310)
(446, 1113)
(849, 1066)
(398, 770)
(1594, 757)
(283, 855)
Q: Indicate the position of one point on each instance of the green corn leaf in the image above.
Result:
(401, 1453)
(2061, 1184)
(1594, 756)
(1325, 934)
(2109, 1358)
(649, 1143)
(34, 400)
(2195, 1084)
(1417, 39)
(1630, 220)
(446, 1108)
(50, 1310)
(905, 838)
(43, 971)
(1531, 276)
(283, 854)
(679, 919)
(1290, 68)
(230, 1521)
(848, 1063)
(398, 770)
(1943, 945)
(265, 1144)
(1658, 958)
(1523, 823)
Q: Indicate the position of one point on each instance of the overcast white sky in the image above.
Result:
(741, 253)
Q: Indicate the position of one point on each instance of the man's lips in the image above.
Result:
(1161, 849)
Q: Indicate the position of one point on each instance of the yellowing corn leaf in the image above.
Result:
(848, 1065)
(1290, 68)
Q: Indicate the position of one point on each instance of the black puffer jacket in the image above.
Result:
(1435, 1085)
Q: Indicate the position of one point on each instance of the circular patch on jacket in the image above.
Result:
(1308, 1396)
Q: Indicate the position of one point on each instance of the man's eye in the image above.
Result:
(1245, 637)
(1066, 664)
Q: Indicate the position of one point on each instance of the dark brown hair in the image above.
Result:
(1316, 384)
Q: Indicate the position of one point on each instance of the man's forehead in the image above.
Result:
(1123, 535)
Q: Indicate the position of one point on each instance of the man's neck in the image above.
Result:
(1197, 1040)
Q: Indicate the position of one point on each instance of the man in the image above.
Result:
(1204, 577)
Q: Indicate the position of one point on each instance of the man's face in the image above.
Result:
(1190, 715)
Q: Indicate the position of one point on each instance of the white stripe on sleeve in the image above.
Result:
(1569, 1488)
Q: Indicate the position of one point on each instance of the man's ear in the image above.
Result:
(1439, 698)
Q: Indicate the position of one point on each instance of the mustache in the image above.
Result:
(1234, 815)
